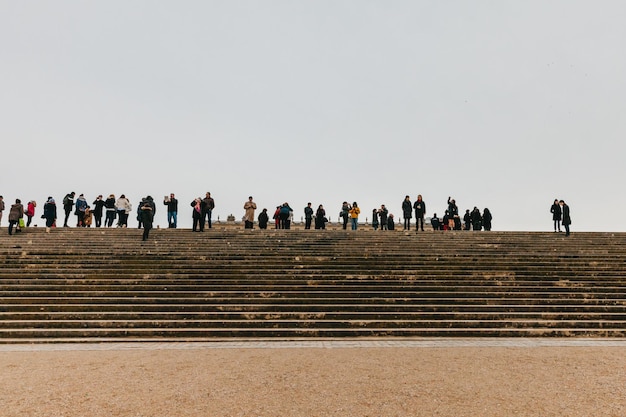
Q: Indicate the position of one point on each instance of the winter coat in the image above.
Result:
(555, 209)
(249, 207)
(123, 204)
(407, 209)
(420, 208)
(566, 218)
(16, 212)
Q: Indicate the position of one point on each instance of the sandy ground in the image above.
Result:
(465, 381)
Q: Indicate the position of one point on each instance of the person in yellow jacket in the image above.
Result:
(354, 215)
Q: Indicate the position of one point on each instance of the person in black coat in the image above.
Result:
(308, 216)
(467, 220)
(390, 224)
(555, 209)
(566, 218)
(98, 209)
(420, 211)
(487, 219)
(477, 219)
(407, 212)
(146, 214)
(320, 217)
(263, 219)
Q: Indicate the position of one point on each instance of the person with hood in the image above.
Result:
(30, 211)
(81, 206)
(407, 212)
(15, 214)
(50, 213)
(263, 219)
(390, 224)
(477, 219)
(555, 209)
(487, 219)
(68, 203)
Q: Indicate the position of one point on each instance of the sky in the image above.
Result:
(503, 104)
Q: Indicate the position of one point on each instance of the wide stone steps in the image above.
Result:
(106, 285)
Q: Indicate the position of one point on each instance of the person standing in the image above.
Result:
(453, 214)
(15, 214)
(81, 206)
(109, 205)
(567, 220)
(263, 219)
(555, 209)
(320, 217)
(248, 218)
(68, 204)
(375, 219)
(285, 216)
(467, 220)
(420, 211)
(147, 216)
(98, 209)
(354, 215)
(1, 208)
(383, 214)
(477, 219)
(487, 219)
(196, 215)
(407, 212)
(390, 223)
(345, 213)
(30, 211)
(50, 213)
(308, 216)
(172, 210)
(209, 205)
(123, 207)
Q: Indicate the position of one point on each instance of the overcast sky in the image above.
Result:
(499, 104)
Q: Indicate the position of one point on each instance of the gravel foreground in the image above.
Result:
(309, 382)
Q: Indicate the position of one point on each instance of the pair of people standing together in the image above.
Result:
(420, 211)
(560, 216)
(350, 212)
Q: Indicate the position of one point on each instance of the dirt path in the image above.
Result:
(466, 381)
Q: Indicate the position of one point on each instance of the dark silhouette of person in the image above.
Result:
(566, 217)
(555, 209)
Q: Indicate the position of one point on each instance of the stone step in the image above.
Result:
(79, 284)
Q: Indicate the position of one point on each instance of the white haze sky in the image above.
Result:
(500, 104)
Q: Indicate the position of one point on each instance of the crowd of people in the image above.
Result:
(117, 210)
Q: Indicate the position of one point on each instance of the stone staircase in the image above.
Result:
(107, 285)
